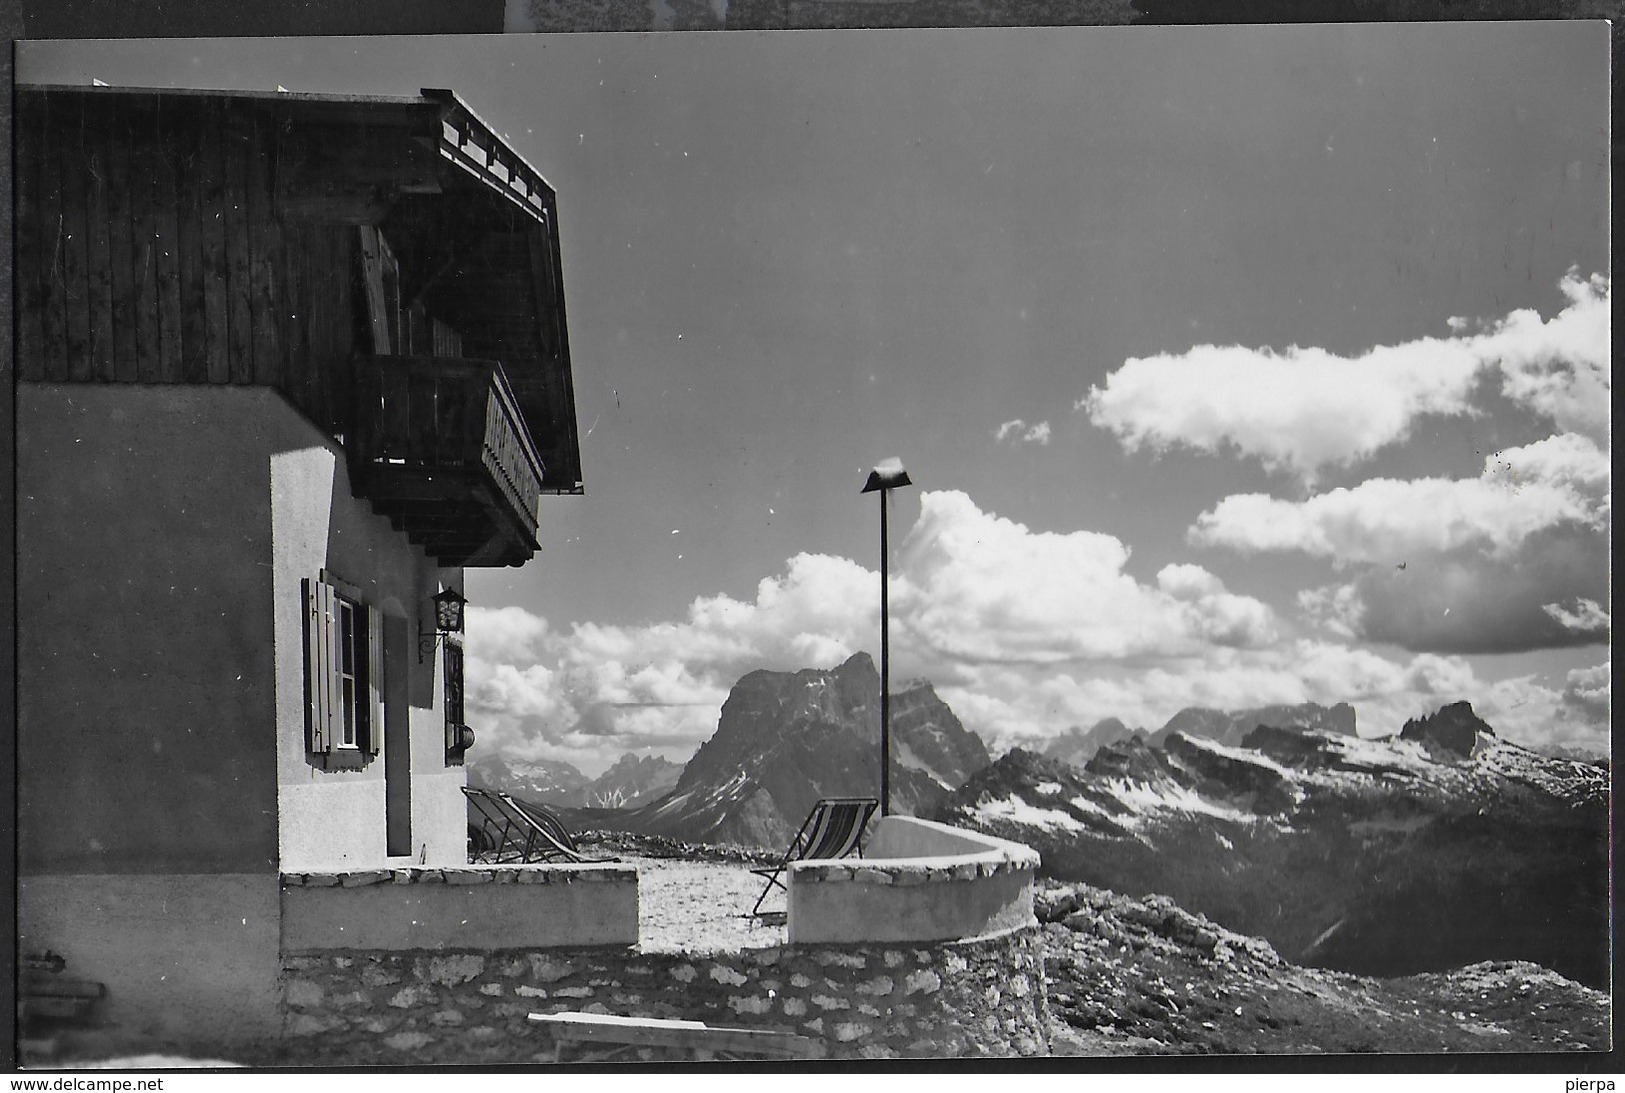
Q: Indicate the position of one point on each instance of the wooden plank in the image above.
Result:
(422, 395)
(169, 200)
(396, 428)
(240, 288)
(183, 147)
(99, 251)
(325, 276)
(349, 336)
(147, 239)
(452, 439)
(53, 247)
(75, 281)
(122, 230)
(295, 357)
(270, 305)
(312, 244)
(372, 275)
(214, 198)
(31, 271)
(658, 1032)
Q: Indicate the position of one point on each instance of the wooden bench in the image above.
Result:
(612, 1036)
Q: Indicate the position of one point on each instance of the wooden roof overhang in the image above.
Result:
(473, 225)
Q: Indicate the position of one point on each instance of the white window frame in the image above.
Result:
(344, 707)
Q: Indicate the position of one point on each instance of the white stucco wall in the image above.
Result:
(335, 819)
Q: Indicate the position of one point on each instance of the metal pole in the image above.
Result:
(885, 678)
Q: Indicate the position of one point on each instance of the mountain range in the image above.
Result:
(1431, 849)
(631, 782)
(1077, 745)
(787, 739)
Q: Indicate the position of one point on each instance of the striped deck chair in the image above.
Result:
(513, 831)
(833, 829)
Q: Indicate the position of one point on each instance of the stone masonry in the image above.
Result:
(981, 997)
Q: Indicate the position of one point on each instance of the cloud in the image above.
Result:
(1466, 601)
(1303, 410)
(1503, 562)
(1585, 617)
(507, 635)
(1018, 431)
(1022, 631)
(976, 587)
(1016, 705)
(1586, 695)
(969, 588)
(1559, 368)
(1521, 491)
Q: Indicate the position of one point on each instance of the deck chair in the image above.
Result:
(513, 831)
(833, 829)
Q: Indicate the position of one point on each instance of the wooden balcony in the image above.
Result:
(438, 445)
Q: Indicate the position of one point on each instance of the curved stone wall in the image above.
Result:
(965, 998)
(919, 881)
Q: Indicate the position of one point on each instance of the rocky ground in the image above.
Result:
(1142, 977)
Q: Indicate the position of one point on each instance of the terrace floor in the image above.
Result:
(686, 906)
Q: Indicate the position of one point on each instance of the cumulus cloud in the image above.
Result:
(1503, 562)
(1302, 410)
(978, 587)
(970, 588)
(1521, 491)
(1559, 368)
(1586, 695)
(1585, 616)
(1466, 601)
(1022, 631)
(1018, 431)
(1015, 705)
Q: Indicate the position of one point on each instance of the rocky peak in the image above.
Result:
(785, 739)
(1454, 729)
(1133, 758)
(1231, 726)
(1078, 745)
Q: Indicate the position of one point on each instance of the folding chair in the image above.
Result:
(519, 832)
(833, 829)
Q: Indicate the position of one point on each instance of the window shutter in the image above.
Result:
(319, 698)
(375, 681)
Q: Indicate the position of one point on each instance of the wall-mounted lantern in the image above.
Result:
(448, 619)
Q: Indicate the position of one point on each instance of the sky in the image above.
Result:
(1232, 366)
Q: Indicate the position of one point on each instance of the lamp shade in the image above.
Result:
(448, 611)
(886, 476)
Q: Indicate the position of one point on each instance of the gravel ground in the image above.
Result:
(701, 907)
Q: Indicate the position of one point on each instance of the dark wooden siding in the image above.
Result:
(150, 250)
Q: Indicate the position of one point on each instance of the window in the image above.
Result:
(344, 717)
(458, 736)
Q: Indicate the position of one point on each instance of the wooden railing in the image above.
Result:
(446, 417)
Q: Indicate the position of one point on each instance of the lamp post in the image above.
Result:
(886, 477)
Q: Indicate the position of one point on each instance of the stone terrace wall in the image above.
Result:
(921, 881)
(471, 907)
(944, 999)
